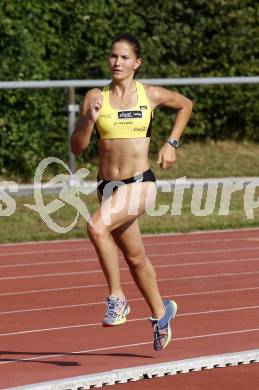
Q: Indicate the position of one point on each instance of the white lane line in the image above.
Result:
(123, 269)
(205, 232)
(153, 255)
(231, 261)
(50, 275)
(226, 274)
(130, 320)
(146, 244)
(129, 300)
(44, 251)
(55, 289)
(129, 345)
(49, 263)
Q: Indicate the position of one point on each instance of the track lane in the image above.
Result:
(195, 334)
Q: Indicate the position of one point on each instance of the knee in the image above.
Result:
(136, 261)
(96, 230)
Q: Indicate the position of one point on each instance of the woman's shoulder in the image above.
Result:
(159, 95)
(152, 90)
(154, 94)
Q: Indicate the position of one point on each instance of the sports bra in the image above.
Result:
(127, 123)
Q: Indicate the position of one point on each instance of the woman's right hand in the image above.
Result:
(89, 112)
(95, 105)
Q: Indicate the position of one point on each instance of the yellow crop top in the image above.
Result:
(130, 123)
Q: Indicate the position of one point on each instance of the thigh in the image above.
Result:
(125, 205)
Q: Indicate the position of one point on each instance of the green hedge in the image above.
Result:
(70, 39)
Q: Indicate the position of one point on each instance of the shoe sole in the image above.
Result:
(120, 322)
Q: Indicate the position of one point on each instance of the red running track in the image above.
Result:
(52, 297)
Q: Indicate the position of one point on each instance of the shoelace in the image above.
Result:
(113, 307)
(157, 334)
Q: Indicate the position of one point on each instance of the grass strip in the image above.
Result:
(27, 225)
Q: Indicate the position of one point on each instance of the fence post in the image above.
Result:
(72, 108)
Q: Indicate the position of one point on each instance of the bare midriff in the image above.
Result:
(122, 158)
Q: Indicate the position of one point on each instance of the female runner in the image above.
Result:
(121, 114)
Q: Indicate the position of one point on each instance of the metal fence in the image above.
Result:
(73, 84)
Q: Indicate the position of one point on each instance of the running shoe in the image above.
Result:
(161, 328)
(116, 311)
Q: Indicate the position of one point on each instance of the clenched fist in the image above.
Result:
(166, 156)
(95, 105)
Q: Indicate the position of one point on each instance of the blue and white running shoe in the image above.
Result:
(161, 328)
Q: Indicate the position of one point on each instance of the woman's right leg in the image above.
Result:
(100, 230)
(107, 253)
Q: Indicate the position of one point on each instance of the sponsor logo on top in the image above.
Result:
(129, 114)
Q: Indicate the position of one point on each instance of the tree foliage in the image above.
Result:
(70, 39)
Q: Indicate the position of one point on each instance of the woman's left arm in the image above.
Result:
(159, 96)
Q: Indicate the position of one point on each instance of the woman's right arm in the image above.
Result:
(88, 115)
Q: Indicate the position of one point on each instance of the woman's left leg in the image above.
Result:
(129, 240)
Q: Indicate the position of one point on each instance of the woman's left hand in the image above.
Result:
(166, 156)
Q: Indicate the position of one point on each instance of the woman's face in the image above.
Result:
(123, 61)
